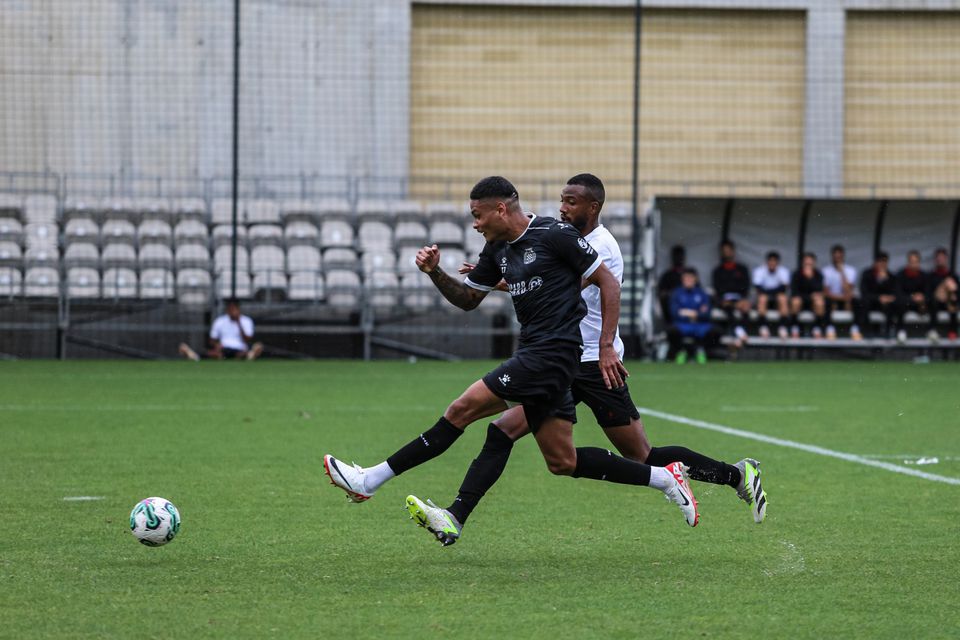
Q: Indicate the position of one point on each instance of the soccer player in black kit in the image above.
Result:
(543, 262)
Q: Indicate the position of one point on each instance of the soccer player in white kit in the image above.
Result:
(615, 411)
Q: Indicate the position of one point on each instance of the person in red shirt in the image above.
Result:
(912, 292)
(942, 285)
(731, 289)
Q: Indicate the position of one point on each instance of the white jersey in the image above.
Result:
(228, 333)
(767, 280)
(609, 251)
(832, 281)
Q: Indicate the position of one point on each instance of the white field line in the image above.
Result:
(82, 498)
(809, 448)
(759, 408)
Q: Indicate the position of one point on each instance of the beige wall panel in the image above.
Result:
(902, 101)
(538, 95)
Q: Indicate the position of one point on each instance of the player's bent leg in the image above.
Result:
(440, 522)
(483, 473)
(513, 423)
(555, 439)
(476, 403)
(630, 440)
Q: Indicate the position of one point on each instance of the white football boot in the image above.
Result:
(350, 478)
(681, 494)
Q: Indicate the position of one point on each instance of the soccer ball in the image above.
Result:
(154, 521)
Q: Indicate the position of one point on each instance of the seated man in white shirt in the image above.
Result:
(839, 288)
(231, 337)
(771, 281)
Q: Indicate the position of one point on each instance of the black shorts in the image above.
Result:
(539, 378)
(611, 407)
(229, 354)
(772, 292)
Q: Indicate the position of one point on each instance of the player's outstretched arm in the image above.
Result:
(456, 292)
(611, 368)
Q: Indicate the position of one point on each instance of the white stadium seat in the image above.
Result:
(193, 286)
(374, 210)
(262, 212)
(119, 283)
(343, 289)
(11, 254)
(11, 229)
(83, 282)
(188, 209)
(42, 256)
(335, 233)
(11, 205)
(11, 282)
(223, 258)
(451, 260)
(406, 260)
(82, 254)
(446, 234)
(155, 256)
(190, 231)
(40, 209)
(118, 255)
(192, 256)
(118, 231)
(418, 293)
(334, 209)
(151, 231)
(266, 234)
(305, 285)
(303, 258)
(473, 242)
(41, 234)
(124, 209)
(374, 235)
(341, 258)
(155, 209)
(298, 211)
(447, 211)
(270, 283)
(82, 230)
(156, 283)
(300, 233)
(379, 260)
(225, 285)
(406, 211)
(223, 235)
(408, 233)
(41, 282)
(267, 258)
(382, 289)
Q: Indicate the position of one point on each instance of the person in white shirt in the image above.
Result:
(771, 281)
(840, 290)
(231, 337)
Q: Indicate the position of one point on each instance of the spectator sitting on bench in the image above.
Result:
(731, 287)
(879, 290)
(806, 294)
(670, 280)
(231, 337)
(942, 285)
(771, 281)
(839, 289)
(912, 293)
(690, 310)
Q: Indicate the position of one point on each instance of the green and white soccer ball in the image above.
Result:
(154, 521)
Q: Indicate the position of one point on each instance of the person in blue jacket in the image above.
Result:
(690, 309)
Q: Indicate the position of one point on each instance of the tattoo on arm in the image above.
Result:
(455, 291)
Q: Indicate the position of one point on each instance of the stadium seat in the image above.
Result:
(41, 234)
(11, 206)
(83, 282)
(373, 210)
(306, 285)
(446, 234)
(616, 210)
(11, 229)
(81, 230)
(303, 258)
(124, 209)
(11, 255)
(447, 211)
(417, 292)
(266, 234)
(192, 256)
(156, 283)
(451, 260)
(11, 282)
(408, 233)
(154, 231)
(193, 286)
(154, 209)
(263, 212)
(42, 256)
(341, 258)
(473, 242)
(382, 289)
(407, 211)
(79, 207)
(118, 231)
(187, 209)
(155, 255)
(40, 209)
(406, 260)
(298, 211)
(119, 282)
(118, 255)
(190, 231)
(300, 232)
(223, 258)
(267, 258)
(343, 289)
(270, 284)
(41, 282)
(225, 285)
(335, 209)
(335, 233)
(82, 254)
(223, 235)
(374, 235)
(379, 260)
(221, 212)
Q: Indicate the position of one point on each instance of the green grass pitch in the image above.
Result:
(268, 549)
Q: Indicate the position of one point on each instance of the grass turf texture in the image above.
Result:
(269, 549)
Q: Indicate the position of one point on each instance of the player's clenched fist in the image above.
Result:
(428, 258)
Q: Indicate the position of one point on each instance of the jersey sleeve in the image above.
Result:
(215, 330)
(573, 249)
(247, 324)
(486, 275)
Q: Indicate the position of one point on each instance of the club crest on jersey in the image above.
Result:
(529, 256)
(503, 264)
(583, 245)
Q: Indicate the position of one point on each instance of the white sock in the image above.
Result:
(374, 477)
(660, 478)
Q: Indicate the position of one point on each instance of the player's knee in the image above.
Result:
(562, 465)
(460, 413)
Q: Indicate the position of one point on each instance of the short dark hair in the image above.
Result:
(809, 254)
(940, 250)
(231, 301)
(592, 184)
(689, 271)
(728, 243)
(837, 247)
(881, 255)
(773, 254)
(494, 187)
(913, 252)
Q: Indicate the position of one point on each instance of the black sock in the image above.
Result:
(700, 466)
(599, 464)
(427, 446)
(483, 473)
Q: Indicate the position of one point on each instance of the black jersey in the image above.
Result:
(543, 268)
(801, 285)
